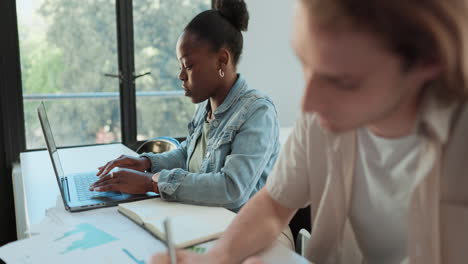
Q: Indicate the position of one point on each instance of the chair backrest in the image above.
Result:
(301, 220)
(158, 145)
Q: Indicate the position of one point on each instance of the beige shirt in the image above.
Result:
(200, 150)
(316, 167)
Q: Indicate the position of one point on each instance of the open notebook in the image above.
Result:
(191, 224)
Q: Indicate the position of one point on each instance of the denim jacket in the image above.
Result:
(242, 147)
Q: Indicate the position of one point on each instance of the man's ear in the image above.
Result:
(224, 57)
(428, 69)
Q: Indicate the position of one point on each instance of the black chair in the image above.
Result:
(301, 220)
(158, 145)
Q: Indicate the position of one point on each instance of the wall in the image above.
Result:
(268, 62)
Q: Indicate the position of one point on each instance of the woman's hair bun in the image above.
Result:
(235, 11)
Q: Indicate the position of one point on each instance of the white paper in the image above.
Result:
(94, 236)
(81, 243)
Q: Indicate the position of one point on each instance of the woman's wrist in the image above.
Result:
(154, 183)
(146, 164)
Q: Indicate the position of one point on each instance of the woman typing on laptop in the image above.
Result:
(233, 138)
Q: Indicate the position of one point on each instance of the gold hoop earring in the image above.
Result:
(221, 73)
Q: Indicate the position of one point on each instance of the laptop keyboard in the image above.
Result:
(82, 183)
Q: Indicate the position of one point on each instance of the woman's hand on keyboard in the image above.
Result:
(124, 161)
(124, 180)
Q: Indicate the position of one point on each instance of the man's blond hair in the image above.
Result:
(416, 30)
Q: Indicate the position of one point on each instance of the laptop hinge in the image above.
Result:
(65, 188)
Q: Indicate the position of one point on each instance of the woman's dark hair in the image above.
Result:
(222, 26)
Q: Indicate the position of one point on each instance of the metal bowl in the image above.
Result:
(158, 145)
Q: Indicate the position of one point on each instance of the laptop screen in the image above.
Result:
(49, 138)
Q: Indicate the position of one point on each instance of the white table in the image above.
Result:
(35, 186)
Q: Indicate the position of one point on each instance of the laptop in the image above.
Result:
(74, 188)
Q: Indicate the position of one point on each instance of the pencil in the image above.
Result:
(170, 245)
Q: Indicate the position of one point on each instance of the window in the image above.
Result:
(66, 47)
(162, 108)
(70, 59)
